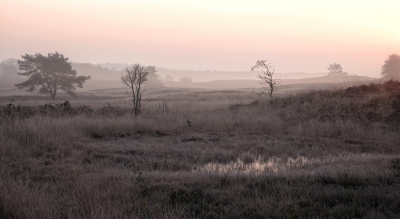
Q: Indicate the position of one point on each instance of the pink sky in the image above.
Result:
(298, 36)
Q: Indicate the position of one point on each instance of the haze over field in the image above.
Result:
(199, 109)
(298, 36)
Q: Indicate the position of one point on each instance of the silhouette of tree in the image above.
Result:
(135, 77)
(154, 79)
(51, 73)
(267, 77)
(336, 69)
(391, 67)
(186, 80)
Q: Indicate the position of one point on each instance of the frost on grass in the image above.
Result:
(280, 165)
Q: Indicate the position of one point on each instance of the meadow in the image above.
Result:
(198, 153)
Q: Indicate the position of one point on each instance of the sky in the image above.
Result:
(297, 36)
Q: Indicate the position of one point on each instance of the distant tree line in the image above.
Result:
(114, 66)
(154, 80)
(52, 73)
(95, 70)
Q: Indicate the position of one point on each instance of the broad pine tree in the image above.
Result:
(49, 74)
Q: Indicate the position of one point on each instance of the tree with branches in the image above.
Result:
(135, 77)
(267, 77)
(51, 73)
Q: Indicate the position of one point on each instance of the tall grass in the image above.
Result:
(318, 154)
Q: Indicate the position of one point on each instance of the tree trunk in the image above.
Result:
(53, 94)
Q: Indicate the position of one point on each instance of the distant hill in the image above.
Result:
(7, 83)
(242, 84)
(217, 84)
(113, 71)
(328, 79)
(107, 76)
(208, 75)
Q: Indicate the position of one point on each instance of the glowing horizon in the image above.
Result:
(303, 36)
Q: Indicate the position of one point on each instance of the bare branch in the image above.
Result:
(267, 77)
(136, 76)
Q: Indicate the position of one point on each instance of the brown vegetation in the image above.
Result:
(317, 154)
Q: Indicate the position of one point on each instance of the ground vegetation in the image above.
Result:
(313, 154)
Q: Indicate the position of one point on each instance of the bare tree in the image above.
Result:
(267, 77)
(135, 77)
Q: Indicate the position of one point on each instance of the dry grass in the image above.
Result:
(319, 154)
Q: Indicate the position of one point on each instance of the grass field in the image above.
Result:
(205, 154)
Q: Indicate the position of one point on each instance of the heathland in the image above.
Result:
(198, 153)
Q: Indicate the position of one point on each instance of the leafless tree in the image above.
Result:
(135, 77)
(267, 77)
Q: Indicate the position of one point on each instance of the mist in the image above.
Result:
(216, 37)
(199, 109)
